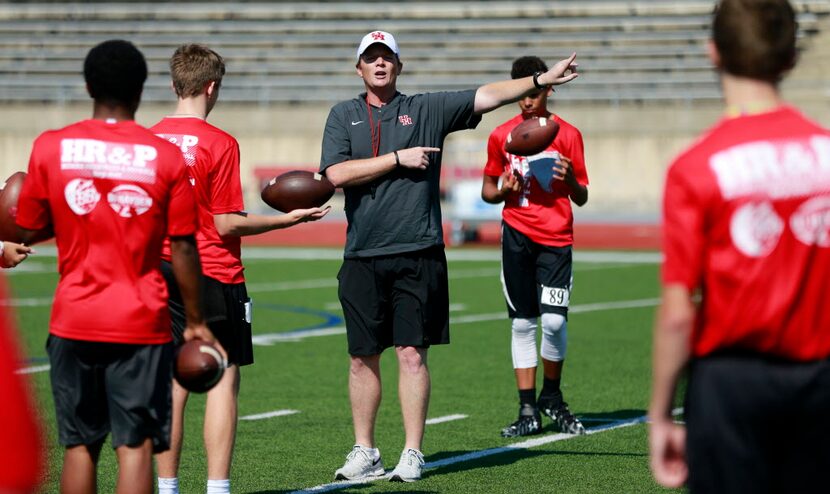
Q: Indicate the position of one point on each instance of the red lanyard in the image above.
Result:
(375, 141)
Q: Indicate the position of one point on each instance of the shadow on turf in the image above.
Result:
(508, 457)
(504, 458)
(590, 419)
(610, 416)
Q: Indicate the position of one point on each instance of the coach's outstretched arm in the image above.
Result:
(496, 94)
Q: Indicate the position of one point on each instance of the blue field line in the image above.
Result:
(329, 319)
(269, 339)
(475, 455)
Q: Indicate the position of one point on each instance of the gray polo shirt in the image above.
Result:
(400, 211)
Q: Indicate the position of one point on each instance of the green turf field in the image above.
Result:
(606, 382)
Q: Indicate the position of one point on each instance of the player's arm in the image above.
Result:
(187, 270)
(494, 193)
(241, 223)
(496, 94)
(362, 171)
(564, 171)
(336, 161)
(670, 354)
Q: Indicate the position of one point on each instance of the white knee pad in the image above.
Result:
(523, 343)
(554, 337)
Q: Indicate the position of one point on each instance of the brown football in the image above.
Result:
(198, 366)
(532, 136)
(297, 189)
(9, 194)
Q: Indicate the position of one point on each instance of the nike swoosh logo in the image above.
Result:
(375, 462)
(358, 122)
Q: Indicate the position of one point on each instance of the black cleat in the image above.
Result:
(561, 416)
(528, 423)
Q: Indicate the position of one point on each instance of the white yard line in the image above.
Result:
(611, 259)
(34, 369)
(295, 336)
(445, 418)
(27, 302)
(268, 415)
(475, 455)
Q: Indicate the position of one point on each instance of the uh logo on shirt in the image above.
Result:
(91, 158)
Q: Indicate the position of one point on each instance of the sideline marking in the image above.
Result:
(612, 260)
(293, 336)
(445, 418)
(531, 443)
(27, 302)
(269, 339)
(32, 370)
(268, 415)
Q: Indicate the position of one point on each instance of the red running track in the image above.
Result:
(628, 236)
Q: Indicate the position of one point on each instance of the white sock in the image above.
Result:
(168, 486)
(219, 486)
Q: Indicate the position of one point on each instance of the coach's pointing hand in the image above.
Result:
(416, 157)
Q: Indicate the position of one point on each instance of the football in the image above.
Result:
(532, 136)
(198, 366)
(298, 189)
(9, 194)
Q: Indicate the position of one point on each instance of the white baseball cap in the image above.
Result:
(378, 37)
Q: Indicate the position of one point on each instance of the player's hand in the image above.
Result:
(14, 254)
(563, 71)
(201, 332)
(511, 182)
(563, 170)
(667, 445)
(417, 157)
(311, 214)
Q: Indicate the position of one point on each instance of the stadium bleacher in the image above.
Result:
(297, 52)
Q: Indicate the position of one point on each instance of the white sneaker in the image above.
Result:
(360, 464)
(409, 467)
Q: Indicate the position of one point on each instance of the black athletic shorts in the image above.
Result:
(227, 312)
(400, 300)
(536, 278)
(757, 425)
(117, 388)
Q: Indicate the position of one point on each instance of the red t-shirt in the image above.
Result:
(112, 191)
(22, 453)
(746, 218)
(212, 159)
(545, 217)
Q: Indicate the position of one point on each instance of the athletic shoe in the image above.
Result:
(561, 416)
(359, 465)
(529, 423)
(409, 467)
